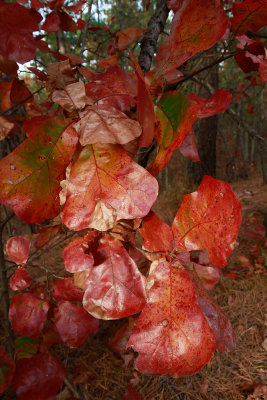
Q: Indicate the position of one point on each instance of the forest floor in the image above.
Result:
(241, 293)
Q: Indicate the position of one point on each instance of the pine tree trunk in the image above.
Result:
(206, 132)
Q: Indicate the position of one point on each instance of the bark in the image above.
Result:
(206, 134)
(148, 48)
(149, 42)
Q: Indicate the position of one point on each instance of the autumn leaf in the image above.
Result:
(28, 314)
(17, 248)
(248, 15)
(16, 29)
(189, 148)
(128, 36)
(176, 115)
(218, 321)
(74, 324)
(108, 62)
(98, 124)
(208, 219)
(157, 234)
(31, 174)
(114, 88)
(46, 374)
(145, 107)
(217, 103)
(132, 394)
(77, 257)
(115, 288)
(172, 335)
(7, 370)
(194, 28)
(20, 280)
(106, 185)
(65, 289)
(73, 97)
(51, 23)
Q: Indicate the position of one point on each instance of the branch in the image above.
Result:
(88, 17)
(257, 34)
(21, 101)
(190, 76)
(149, 42)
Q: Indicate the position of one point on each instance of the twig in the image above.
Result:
(190, 76)
(77, 393)
(88, 17)
(146, 252)
(5, 293)
(257, 34)
(21, 101)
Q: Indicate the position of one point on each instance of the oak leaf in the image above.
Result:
(31, 174)
(208, 219)
(115, 288)
(172, 335)
(106, 185)
(39, 377)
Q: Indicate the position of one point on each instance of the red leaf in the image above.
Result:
(128, 36)
(30, 176)
(16, 28)
(208, 219)
(132, 394)
(98, 124)
(7, 370)
(37, 4)
(209, 275)
(20, 280)
(253, 229)
(19, 91)
(66, 22)
(218, 321)
(39, 377)
(250, 61)
(115, 288)
(66, 290)
(248, 15)
(106, 185)
(52, 23)
(118, 342)
(194, 28)
(172, 335)
(189, 148)
(9, 67)
(27, 314)
(113, 88)
(108, 62)
(216, 104)
(145, 107)
(157, 235)
(17, 248)
(176, 115)
(76, 8)
(74, 324)
(76, 256)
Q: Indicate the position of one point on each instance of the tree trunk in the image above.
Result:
(206, 132)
